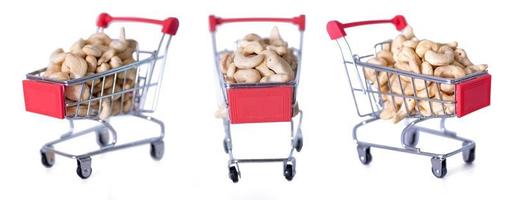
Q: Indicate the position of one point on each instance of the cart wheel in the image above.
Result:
(225, 145)
(157, 149)
(289, 171)
(411, 138)
(438, 167)
(299, 144)
(102, 137)
(47, 158)
(234, 173)
(469, 155)
(84, 169)
(364, 154)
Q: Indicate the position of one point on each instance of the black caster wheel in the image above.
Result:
(289, 171)
(364, 154)
(411, 138)
(47, 158)
(84, 169)
(234, 173)
(157, 149)
(438, 167)
(469, 155)
(225, 145)
(102, 137)
(299, 144)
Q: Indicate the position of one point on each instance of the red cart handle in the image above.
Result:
(169, 25)
(215, 21)
(336, 29)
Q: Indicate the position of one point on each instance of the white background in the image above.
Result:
(194, 165)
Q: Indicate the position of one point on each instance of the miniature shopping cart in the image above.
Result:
(472, 92)
(244, 101)
(47, 97)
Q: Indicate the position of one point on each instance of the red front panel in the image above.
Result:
(44, 98)
(254, 105)
(473, 95)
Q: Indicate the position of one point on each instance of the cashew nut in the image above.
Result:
(73, 92)
(475, 68)
(275, 38)
(405, 109)
(291, 59)
(76, 48)
(408, 32)
(58, 76)
(107, 55)
(412, 43)
(103, 68)
(57, 56)
(407, 55)
(276, 78)
(264, 70)
(461, 56)
(99, 38)
(226, 59)
(397, 43)
(72, 111)
(251, 47)
(396, 84)
(75, 65)
(92, 63)
(247, 76)
(115, 62)
(247, 62)
(129, 74)
(387, 56)
(280, 50)
(424, 45)
(388, 110)
(231, 70)
(449, 71)
(251, 37)
(105, 110)
(278, 64)
(445, 57)
(370, 74)
(127, 105)
(92, 50)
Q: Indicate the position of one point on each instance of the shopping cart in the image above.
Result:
(472, 92)
(47, 97)
(244, 101)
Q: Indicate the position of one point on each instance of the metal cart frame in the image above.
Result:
(234, 95)
(145, 66)
(464, 101)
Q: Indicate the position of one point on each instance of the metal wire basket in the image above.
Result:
(422, 98)
(132, 89)
(244, 101)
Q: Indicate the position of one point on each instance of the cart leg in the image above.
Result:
(234, 171)
(289, 168)
(227, 141)
(47, 157)
(364, 154)
(84, 169)
(297, 138)
(469, 153)
(439, 166)
(157, 149)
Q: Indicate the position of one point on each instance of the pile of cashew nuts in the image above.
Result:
(259, 60)
(98, 53)
(406, 52)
